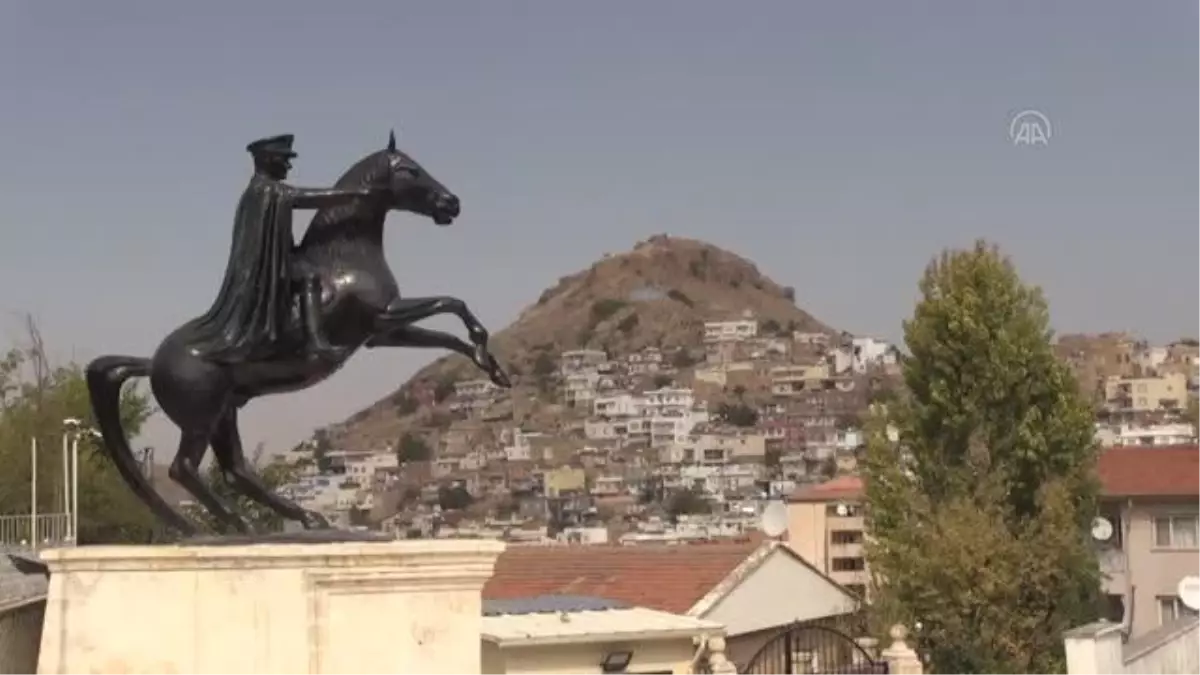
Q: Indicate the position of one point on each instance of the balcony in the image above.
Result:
(1112, 561)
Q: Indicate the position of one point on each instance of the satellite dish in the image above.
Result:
(842, 509)
(1102, 529)
(1189, 592)
(774, 519)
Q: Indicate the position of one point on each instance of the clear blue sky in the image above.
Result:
(839, 145)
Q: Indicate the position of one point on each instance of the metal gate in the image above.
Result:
(807, 648)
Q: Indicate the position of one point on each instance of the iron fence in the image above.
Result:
(810, 648)
(28, 531)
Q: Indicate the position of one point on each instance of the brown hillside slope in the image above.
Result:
(657, 295)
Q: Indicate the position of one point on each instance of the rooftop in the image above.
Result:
(842, 487)
(1126, 471)
(1155, 471)
(668, 578)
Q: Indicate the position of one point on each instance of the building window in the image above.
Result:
(848, 565)
(1175, 532)
(1170, 608)
(847, 510)
(846, 537)
(1114, 609)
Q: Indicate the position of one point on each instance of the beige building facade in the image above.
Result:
(1152, 522)
(826, 528)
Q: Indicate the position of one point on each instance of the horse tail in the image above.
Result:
(105, 376)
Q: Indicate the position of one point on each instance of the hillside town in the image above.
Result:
(677, 445)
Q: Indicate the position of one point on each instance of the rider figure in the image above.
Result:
(248, 319)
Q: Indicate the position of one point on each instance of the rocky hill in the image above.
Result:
(657, 295)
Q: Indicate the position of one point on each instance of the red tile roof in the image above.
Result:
(1156, 471)
(669, 578)
(1134, 471)
(842, 487)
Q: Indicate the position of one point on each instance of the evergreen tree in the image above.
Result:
(978, 518)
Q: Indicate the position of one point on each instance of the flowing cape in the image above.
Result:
(254, 304)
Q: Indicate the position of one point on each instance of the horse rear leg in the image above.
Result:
(185, 470)
(105, 376)
(227, 446)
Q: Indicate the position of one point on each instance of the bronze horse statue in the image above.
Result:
(359, 306)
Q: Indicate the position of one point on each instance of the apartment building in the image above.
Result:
(825, 527)
(1147, 535)
(1145, 394)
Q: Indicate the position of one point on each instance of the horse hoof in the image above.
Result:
(314, 521)
(500, 379)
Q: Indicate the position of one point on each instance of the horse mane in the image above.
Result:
(367, 171)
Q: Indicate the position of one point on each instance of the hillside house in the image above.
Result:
(861, 354)
(1148, 435)
(582, 360)
(518, 444)
(720, 331)
(796, 379)
(726, 446)
(645, 362)
(580, 388)
(471, 395)
(1133, 395)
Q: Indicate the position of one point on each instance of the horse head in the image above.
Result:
(414, 189)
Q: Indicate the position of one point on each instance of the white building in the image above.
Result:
(582, 360)
(623, 404)
(667, 402)
(863, 352)
(517, 447)
(720, 331)
(361, 466)
(1151, 435)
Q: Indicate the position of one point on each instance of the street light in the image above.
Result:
(73, 429)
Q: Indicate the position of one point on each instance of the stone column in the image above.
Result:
(901, 659)
(338, 607)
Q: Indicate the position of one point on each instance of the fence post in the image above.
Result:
(902, 659)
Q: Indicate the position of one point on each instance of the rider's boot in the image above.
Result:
(310, 310)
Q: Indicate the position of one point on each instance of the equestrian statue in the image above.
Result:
(286, 317)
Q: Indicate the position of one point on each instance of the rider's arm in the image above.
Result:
(319, 198)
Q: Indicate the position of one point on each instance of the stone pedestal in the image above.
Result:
(357, 607)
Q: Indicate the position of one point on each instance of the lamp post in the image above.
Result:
(73, 429)
(33, 538)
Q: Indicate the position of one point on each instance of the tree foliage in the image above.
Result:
(35, 397)
(979, 516)
(412, 448)
(688, 502)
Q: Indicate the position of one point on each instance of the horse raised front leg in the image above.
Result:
(404, 335)
(227, 446)
(404, 311)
